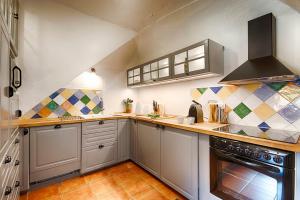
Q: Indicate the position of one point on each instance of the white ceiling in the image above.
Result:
(132, 14)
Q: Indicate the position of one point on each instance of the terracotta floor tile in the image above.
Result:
(96, 176)
(134, 187)
(83, 193)
(71, 184)
(42, 193)
(126, 181)
(104, 186)
(149, 195)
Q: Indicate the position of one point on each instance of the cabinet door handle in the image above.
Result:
(101, 122)
(17, 184)
(162, 127)
(17, 163)
(17, 141)
(157, 126)
(100, 146)
(7, 159)
(57, 126)
(25, 131)
(8, 190)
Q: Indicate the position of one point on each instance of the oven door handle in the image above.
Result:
(244, 161)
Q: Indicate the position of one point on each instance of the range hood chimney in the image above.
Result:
(261, 66)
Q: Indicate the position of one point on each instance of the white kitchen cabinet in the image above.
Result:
(123, 139)
(179, 161)
(54, 150)
(148, 147)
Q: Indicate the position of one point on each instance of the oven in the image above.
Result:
(245, 171)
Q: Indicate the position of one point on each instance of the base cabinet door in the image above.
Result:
(148, 152)
(54, 150)
(179, 161)
(123, 139)
(133, 140)
(96, 157)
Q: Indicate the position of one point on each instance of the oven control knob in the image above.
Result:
(230, 147)
(267, 156)
(256, 155)
(239, 150)
(248, 152)
(278, 159)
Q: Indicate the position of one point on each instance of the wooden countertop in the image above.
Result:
(202, 128)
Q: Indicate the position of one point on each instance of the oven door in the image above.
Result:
(235, 177)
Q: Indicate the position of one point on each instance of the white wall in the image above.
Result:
(224, 21)
(58, 43)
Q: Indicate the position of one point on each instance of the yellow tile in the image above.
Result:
(46, 101)
(264, 111)
(66, 93)
(74, 111)
(91, 105)
(195, 94)
(28, 115)
(252, 87)
(45, 112)
(290, 92)
(224, 93)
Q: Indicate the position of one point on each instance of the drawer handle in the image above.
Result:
(25, 131)
(101, 146)
(17, 163)
(8, 190)
(17, 184)
(101, 122)
(7, 160)
(17, 141)
(57, 126)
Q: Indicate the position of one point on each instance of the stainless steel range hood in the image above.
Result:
(261, 66)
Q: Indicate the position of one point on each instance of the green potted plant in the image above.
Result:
(128, 105)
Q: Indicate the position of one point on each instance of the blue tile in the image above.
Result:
(297, 82)
(59, 111)
(264, 126)
(216, 89)
(38, 107)
(264, 92)
(36, 116)
(52, 96)
(291, 113)
(79, 94)
(73, 99)
(85, 110)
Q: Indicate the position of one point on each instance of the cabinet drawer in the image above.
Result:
(11, 185)
(97, 156)
(99, 126)
(11, 155)
(99, 137)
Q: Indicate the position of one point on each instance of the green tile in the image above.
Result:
(201, 90)
(242, 110)
(52, 105)
(241, 132)
(67, 114)
(96, 110)
(277, 86)
(85, 99)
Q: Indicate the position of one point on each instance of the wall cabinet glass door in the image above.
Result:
(134, 76)
(156, 70)
(190, 61)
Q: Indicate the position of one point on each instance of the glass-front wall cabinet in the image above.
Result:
(202, 59)
(189, 61)
(156, 70)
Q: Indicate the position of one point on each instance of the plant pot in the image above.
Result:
(128, 108)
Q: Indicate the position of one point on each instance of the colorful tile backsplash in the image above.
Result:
(272, 105)
(67, 102)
